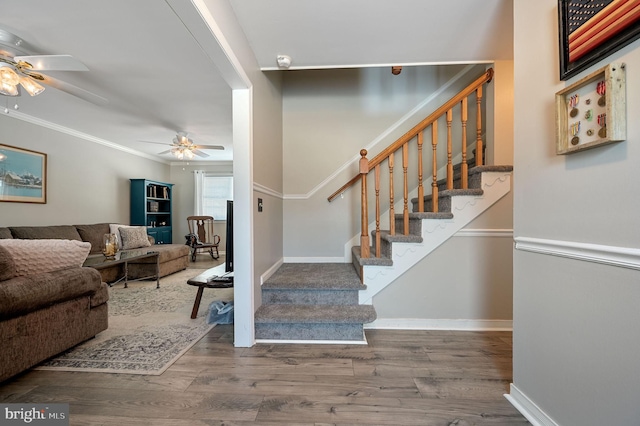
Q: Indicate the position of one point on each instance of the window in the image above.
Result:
(217, 190)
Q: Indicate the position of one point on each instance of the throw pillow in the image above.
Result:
(134, 237)
(94, 234)
(7, 265)
(114, 228)
(37, 256)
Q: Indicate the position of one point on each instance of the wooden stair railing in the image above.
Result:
(366, 166)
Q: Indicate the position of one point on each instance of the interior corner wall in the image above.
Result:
(576, 338)
(267, 172)
(86, 182)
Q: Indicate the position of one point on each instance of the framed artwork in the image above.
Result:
(591, 30)
(592, 111)
(23, 175)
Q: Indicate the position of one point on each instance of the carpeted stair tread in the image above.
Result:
(315, 314)
(397, 238)
(450, 193)
(481, 169)
(373, 260)
(307, 276)
(425, 215)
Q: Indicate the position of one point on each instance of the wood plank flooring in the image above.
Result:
(433, 378)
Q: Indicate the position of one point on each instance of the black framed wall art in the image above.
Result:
(591, 30)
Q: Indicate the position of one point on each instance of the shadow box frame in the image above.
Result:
(604, 33)
(613, 76)
(22, 159)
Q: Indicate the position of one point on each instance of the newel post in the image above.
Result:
(364, 236)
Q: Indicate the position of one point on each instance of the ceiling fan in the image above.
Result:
(184, 147)
(20, 70)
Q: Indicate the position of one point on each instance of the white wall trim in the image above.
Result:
(350, 163)
(71, 132)
(404, 64)
(266, 190)
(315, 260)
(440, 324)
(269, 272)
(623, 257)
(528, 408)
(496, 233)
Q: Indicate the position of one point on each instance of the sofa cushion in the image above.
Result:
(114, 228)
(7, 265)
(135, 237)
(5, 233)
(94, 234)
(21, 295)
(38, 256)
(60, 232)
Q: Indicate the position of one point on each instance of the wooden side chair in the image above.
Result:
(202, 236)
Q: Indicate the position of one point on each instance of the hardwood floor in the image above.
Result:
(438, 378)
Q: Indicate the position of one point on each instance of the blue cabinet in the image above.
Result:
(151, 207)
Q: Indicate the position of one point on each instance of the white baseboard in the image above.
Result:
(528, 408)
(440, 324)
(269, 272)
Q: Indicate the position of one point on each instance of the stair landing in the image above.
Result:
(313, 302)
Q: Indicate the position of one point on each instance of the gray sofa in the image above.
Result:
(172, 257)
(47, 313)
(44, 314)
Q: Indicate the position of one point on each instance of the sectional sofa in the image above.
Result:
(48, 301)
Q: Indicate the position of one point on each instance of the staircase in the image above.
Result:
(331, 302)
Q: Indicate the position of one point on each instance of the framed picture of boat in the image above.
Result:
(23, 175)
(591, 30)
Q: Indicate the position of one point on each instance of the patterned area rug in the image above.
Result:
(149, 328)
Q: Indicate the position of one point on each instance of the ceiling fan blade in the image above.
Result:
(200, 153)
(164, 152)
(210, 147)
(53, 63)
(75, 91)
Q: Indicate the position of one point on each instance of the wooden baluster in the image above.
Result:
(377, 173)
(479, 147)
(392, 210)
(464, 172)
(365, 251)
(434, 182)
(420, 186)
(449, 149)
(405, 166)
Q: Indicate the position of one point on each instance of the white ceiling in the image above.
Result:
(158, 81)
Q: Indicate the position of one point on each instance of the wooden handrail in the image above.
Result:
(485, 78)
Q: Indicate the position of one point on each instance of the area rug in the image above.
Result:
(149, 328)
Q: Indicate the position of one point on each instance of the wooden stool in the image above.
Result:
(211, 278)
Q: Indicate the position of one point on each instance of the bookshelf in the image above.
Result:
(151, 207)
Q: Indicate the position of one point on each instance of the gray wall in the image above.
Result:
(87, 182)
(576, 339)
(328, 116)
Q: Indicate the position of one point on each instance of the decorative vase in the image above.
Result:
(110, 246)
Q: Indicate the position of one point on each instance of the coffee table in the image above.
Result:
(124, 257)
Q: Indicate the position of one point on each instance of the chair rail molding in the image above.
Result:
(624, 257)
